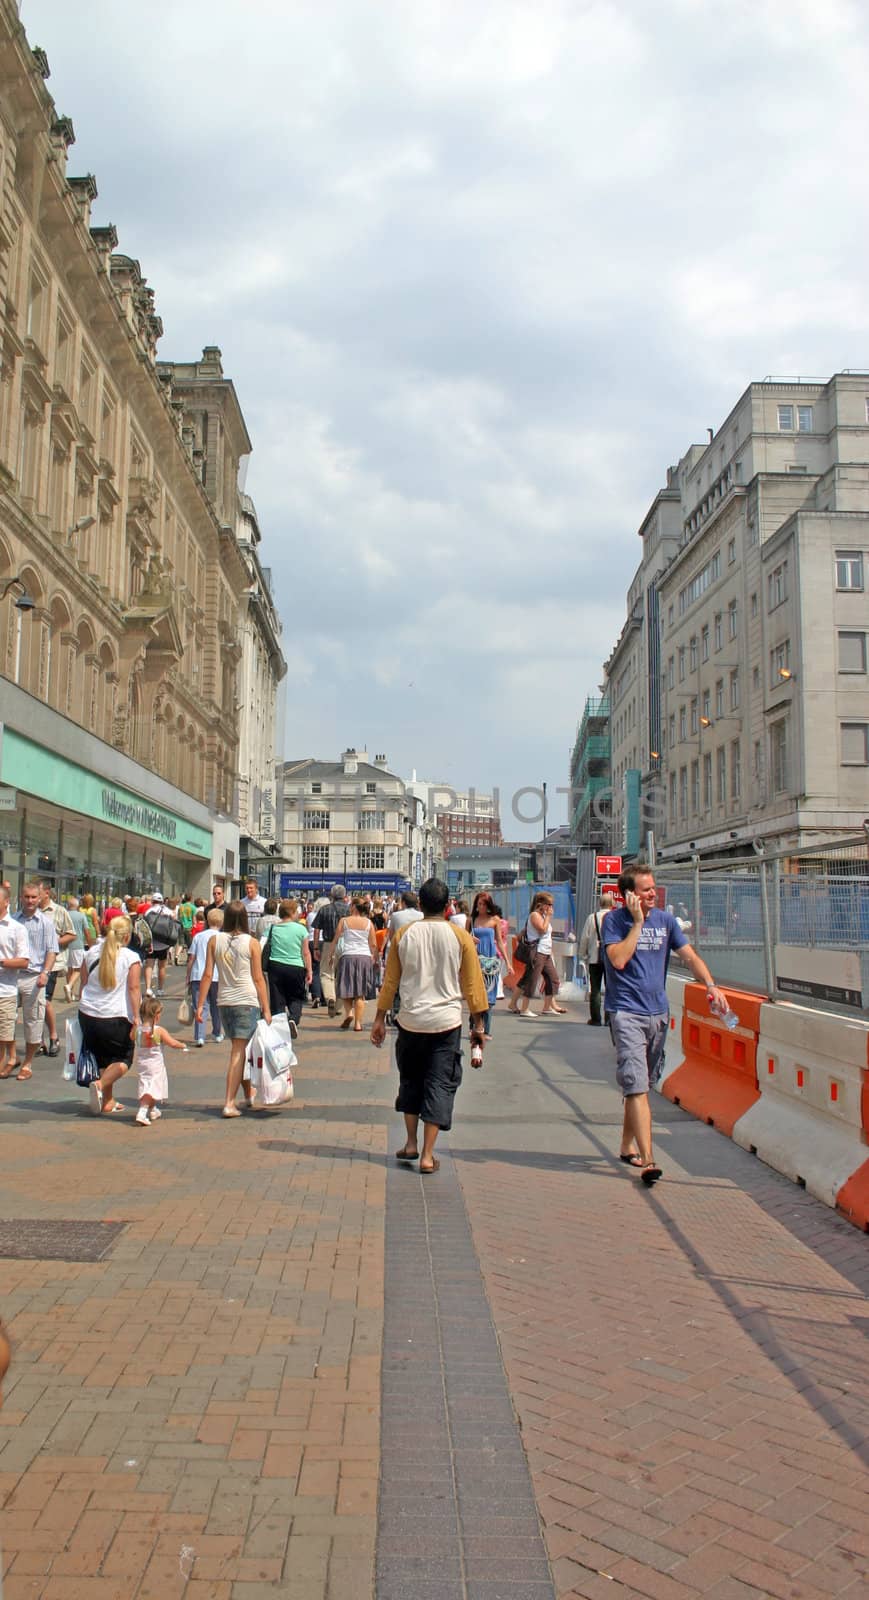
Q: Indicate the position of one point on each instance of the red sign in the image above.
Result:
(607, 866)
(613, 889)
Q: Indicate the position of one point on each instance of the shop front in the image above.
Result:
(83, 830)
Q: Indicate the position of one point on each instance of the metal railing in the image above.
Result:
(741, 912)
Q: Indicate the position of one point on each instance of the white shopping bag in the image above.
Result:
(72, 1048)
(269, 1062)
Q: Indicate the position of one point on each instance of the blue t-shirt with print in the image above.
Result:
(642, 986)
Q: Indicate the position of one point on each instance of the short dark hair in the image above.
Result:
(410, 900)
(628, 878)
(434, 896)
(235, 918)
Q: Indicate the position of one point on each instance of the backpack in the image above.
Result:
(142, 932)
(165, 929)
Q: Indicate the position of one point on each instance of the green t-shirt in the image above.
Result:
(287, 939)
(186, 914)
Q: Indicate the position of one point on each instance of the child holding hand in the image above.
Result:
(153, 1082)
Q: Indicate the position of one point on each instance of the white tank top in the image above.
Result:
(356, 940)
(232, 959)
(543, 941)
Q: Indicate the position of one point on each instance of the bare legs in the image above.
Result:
(234, 1075)
(358, 1014)
(430, 1131)
(108, 1079)
(637, 1128)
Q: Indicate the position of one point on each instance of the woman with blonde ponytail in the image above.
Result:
(109, 1009)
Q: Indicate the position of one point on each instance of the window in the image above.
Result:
(785, 419)
(315, 857)
(694, 723)
(755, 677)
(757, 764)
(719, 698)
(681, 663)
(707, 781)
(692, 653)
(672, 729)
(852, 652)
(721, 775)
(370, 857)
(707, 710)
(671, 672)
(670, 616)
(732, 620)
(805, 419)
(849, 569)
(778, 755)
(372, 820)
(731, 552)
(316, 788)
(855, 744)
(735, 770)
(695, 788)
(718, 634)
(777, 586)
(704, 642)
(371, 788)
(779, 663)
(683, 792)
(754, 605)
(737, 471)
(683, 725)
(794, 467)
(700, 582)
(672, 797)
(315, 819)
(734, 690)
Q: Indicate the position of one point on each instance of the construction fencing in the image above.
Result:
(740, 914)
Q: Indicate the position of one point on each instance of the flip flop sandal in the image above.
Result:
(650, 1175)
(426, 1172)
(631, 1160)
(405, 1155)
(24, 1074)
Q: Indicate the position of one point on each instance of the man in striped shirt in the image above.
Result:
(42, 950)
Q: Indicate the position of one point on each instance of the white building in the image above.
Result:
(762, 679)
(348, 821)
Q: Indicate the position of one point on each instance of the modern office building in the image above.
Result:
(590, 802)
(750, 706)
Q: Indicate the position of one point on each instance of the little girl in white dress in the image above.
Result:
(153, 1082)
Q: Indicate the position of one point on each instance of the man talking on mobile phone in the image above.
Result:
(437, 966)
(637, 939)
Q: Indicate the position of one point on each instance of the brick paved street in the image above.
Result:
(197, 1411)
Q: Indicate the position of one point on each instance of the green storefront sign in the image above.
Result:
(34, 770)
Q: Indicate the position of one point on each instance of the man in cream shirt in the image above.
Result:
(437, 966)
(14, 960)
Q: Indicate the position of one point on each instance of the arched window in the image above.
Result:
(107, 688)
(83, 708)
(60, 653)
(30, 638)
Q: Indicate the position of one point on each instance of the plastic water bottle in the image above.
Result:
(726, 1017)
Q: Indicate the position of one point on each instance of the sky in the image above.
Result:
(480, 272)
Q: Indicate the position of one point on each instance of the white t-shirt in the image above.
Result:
(401, 919)
(543, 941)
(99, 1002)
(460, 918)
(13, 944)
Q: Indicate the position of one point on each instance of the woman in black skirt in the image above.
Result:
(109, 1010)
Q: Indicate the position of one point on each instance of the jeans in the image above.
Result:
(199, 1027)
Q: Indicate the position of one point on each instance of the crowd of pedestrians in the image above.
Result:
(422, 957)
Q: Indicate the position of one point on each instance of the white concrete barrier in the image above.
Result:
(674, 1054)
(808, 1122)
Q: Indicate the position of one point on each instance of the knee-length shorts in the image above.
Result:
(429, 1073)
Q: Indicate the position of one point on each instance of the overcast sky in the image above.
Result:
(479, 272)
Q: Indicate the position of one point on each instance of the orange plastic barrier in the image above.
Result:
(853, 1197)
(718, 1078)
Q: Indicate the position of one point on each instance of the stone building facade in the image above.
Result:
(118, 519)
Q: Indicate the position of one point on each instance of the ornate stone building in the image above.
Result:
(119, 511)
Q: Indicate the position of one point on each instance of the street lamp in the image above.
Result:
(79, 527)
(25, 601)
